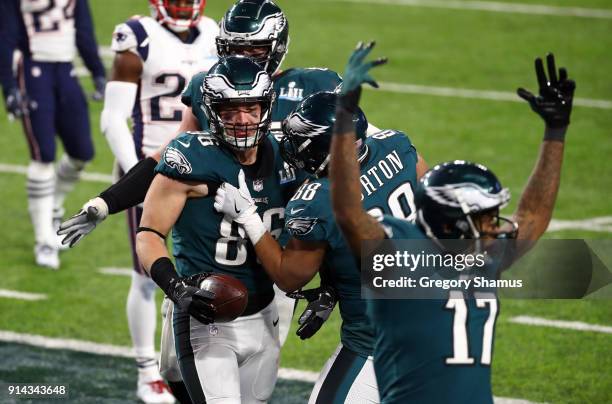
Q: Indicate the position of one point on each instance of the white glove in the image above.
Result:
(78, 226)
(237, 204)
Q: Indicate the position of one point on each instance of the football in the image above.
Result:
(231, 296)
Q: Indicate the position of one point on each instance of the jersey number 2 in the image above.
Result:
(162, 79)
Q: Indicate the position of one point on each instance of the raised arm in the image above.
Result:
(554, 105)
(355, 222)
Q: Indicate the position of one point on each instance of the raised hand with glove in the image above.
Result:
(554, 100)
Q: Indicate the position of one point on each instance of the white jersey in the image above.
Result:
(50, 28)
(168, 65)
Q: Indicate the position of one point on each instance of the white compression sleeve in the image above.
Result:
(119, 98)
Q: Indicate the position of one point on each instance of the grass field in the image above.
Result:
(427, 46)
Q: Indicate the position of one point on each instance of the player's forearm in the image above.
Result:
(119, 98)
(150, 247)
(289, 271)
(354, 221)
(132, 188)
(270, 254)
(537, 202)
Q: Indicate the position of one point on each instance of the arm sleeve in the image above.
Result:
(9, 32)
(119, 98)
(86, 40)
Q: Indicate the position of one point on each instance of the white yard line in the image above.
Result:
(497, 7)
(86, 176)
(407, 88)
(116, 271)
(477, 94)
(603, 224)
(568, 325)
(14, 294)
(127, 352)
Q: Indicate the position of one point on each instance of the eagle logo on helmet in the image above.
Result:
(220, 87)
(300, 126)
(300, 226)
(474, 197)
(177, 160)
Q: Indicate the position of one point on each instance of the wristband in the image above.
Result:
(163, 274)
(344, 124)
(555, 134)
(254, 228)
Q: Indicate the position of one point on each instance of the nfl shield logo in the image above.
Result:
(258, 185)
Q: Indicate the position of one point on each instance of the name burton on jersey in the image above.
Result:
(388, 167)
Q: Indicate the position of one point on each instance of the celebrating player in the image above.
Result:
(45, 94)
(256, 28)
(154, 60)
(237, 361)
(390, 167)
(415, 358)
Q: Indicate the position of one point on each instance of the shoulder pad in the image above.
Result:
(123, 39)
(131, 36)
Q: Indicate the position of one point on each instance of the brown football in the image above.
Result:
(230, 296)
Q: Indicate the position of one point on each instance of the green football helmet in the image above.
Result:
(450, 195)
(253, 24)
(237, 80)
(307, 133)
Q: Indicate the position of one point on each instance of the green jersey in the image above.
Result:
(432, 351)
(291, 86)
(204, 240)
(388, 176)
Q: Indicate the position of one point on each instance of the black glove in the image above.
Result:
(16, 103)
(99, 85)
(189, 298)
(554, 104)
(193, 300)
(321, 302)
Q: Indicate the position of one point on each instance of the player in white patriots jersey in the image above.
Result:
(154, 60)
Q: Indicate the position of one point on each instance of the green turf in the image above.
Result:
(426, 46)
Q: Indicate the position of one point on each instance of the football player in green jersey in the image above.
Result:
(389, 170)
(423, 351)
(254, 28)
(236, 361)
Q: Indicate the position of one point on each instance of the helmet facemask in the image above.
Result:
(240, 136)
(237, 99)
(177, 16)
